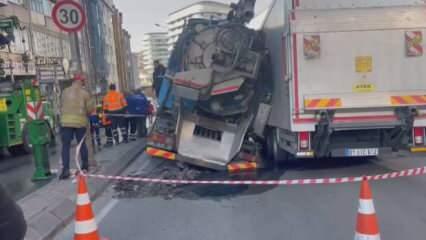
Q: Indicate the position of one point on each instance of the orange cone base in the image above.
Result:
(89, 236)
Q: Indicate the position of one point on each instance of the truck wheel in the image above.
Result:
(15, 150)
(275, 154)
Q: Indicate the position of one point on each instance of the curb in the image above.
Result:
(50, 221)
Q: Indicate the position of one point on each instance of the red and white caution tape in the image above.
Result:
(125, 115)
(319, 181)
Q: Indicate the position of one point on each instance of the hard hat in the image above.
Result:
(79, 77)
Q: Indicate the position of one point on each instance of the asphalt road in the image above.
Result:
(16, 173)
(297, 212)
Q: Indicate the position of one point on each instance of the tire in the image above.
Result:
(275, 154)
(16, 150)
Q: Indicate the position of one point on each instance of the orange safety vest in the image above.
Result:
(114, 101)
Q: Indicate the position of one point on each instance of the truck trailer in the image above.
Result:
(319, 79)
(349, 77)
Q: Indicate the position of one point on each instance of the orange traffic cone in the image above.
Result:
(85, 223)
(367, 227)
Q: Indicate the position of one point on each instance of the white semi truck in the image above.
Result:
(322, 78)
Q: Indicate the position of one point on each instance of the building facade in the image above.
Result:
(203, 9)
(154, 47)
(102, 43)
(127, 53)
(101, 50)
(82, 57)
(135, 71)
(143, 76)
(47, 48)
(129, 81)
(117, 23)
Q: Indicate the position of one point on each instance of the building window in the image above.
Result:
(19, 2)
(50, 46)
(42, 6)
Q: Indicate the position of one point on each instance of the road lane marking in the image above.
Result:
(106, 210)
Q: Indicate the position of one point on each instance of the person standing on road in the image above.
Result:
(137, 109)
(76, 108)
(115, 106)
(12, 221)
(157, 76)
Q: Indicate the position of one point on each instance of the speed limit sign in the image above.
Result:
(69, 16)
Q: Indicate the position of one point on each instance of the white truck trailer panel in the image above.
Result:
(349, 57)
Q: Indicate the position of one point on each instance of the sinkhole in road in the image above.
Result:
(173, 171)
(194, 192)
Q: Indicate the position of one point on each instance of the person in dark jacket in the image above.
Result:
(157, 76)
(137, 108)
(12, 221)
(95, 125)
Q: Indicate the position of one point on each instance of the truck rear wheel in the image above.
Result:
(274, 153)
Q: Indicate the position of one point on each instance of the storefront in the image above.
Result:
(52, 78)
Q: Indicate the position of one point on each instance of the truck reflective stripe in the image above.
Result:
(408, 100)
(323, 103)
(160, 153)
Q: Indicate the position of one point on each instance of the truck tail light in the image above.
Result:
(304, 140)
(419, 135)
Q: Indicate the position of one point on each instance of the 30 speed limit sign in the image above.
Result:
(69, 16)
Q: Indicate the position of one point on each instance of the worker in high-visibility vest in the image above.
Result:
(115, 106)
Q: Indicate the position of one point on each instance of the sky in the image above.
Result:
(140, 16)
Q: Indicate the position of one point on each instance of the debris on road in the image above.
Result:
(166, 171)
(180, 171)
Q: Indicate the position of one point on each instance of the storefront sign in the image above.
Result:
(48, 61)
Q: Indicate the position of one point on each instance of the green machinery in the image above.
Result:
(17, 88)
(14, 133)
(24, 117)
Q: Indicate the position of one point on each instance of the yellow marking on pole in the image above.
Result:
(418, 149)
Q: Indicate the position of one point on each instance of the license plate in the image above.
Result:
(365, 152)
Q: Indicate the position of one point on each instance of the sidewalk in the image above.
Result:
(49, 209)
